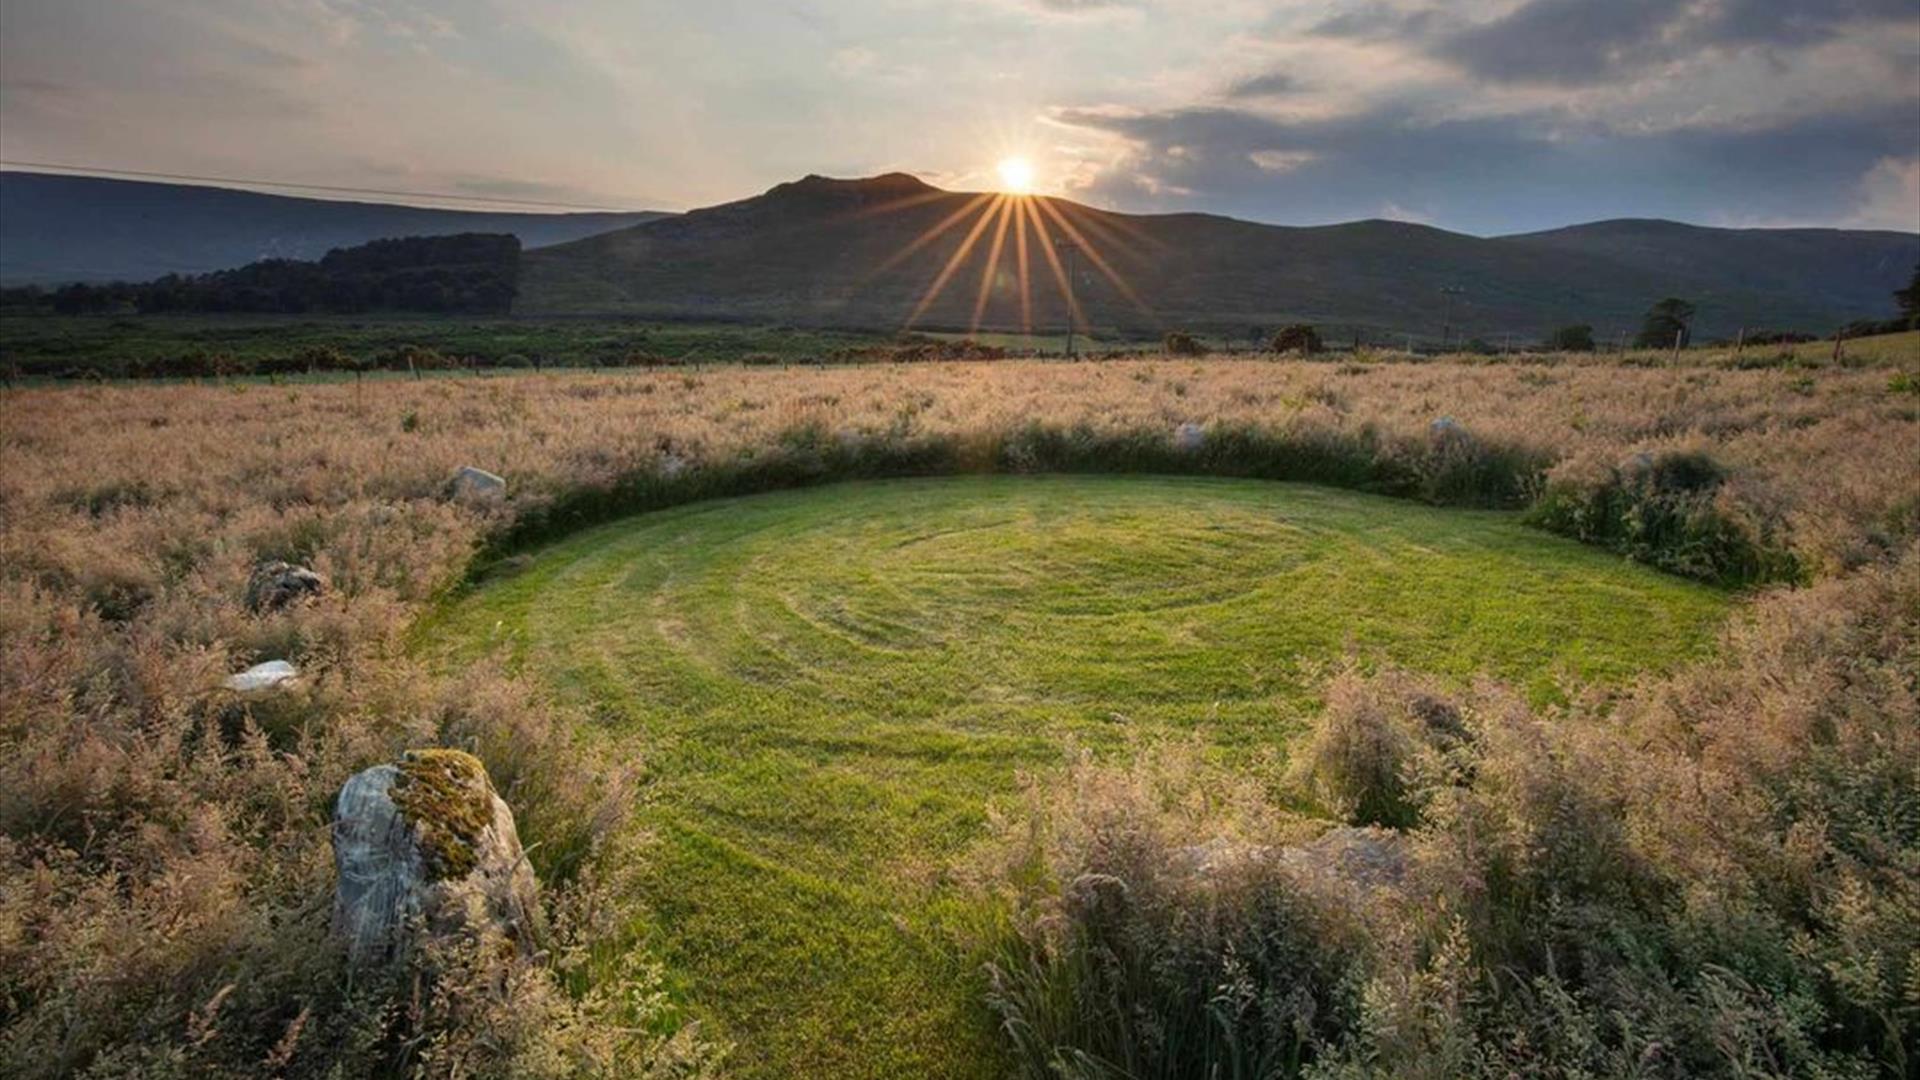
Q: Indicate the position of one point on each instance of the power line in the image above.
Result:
(144, 174)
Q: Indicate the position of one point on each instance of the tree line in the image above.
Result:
(467, 273)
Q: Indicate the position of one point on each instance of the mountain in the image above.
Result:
(56, 229)
(843, 252)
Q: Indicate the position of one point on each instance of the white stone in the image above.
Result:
(263, 677)
(1189, 437)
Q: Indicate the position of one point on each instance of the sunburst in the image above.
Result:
(1020, 222)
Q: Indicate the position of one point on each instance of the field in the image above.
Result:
(794, 766)
(39, 347)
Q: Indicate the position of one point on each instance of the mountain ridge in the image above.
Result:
(58, 228)
(806, 251)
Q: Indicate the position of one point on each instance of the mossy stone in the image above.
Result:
(445, 795)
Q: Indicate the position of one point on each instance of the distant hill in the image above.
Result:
(57, 229)
(812, 252)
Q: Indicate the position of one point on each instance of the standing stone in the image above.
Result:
(426, 846)
(1189, 437)
(274, 585)
(471, 483)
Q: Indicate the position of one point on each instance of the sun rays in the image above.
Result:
(1001, 231)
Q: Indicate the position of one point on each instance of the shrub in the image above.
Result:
(1181, 343)
(324, 358)
(1378, 748)
(1299, 338)
(1666, 508)
(415, 358)
(1575, 338)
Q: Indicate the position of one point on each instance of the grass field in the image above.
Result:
(1900, 349)
(49, 346)
(830, 686)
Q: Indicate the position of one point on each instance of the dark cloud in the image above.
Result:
(1491, 175)
(1580, 42)
(1271, 84)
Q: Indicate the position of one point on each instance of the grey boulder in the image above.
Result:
(426, 847)
(274, 585)
(469, 482)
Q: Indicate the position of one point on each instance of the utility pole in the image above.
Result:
(1446, 318)
(1068, 247)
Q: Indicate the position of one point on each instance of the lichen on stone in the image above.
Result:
(445, 795)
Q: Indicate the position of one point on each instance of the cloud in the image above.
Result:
(1075, 9)
(1491, 174)
(1279, 161)
(1890, 196)
(1585, 42)
(1271, 84)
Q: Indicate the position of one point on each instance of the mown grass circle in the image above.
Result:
(831, 685)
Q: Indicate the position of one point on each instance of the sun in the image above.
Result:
(1016, 175)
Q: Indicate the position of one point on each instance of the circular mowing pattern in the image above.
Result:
(829, 686)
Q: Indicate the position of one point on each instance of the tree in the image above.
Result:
(1909, 299)
(1666, 320)
(1575, 338)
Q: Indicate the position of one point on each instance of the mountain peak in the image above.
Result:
(893, 184)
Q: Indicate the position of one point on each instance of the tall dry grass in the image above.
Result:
(166, 861)
(1717, 875)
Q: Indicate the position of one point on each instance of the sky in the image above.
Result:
(1483, 116)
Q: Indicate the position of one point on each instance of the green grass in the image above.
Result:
(830, 685)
